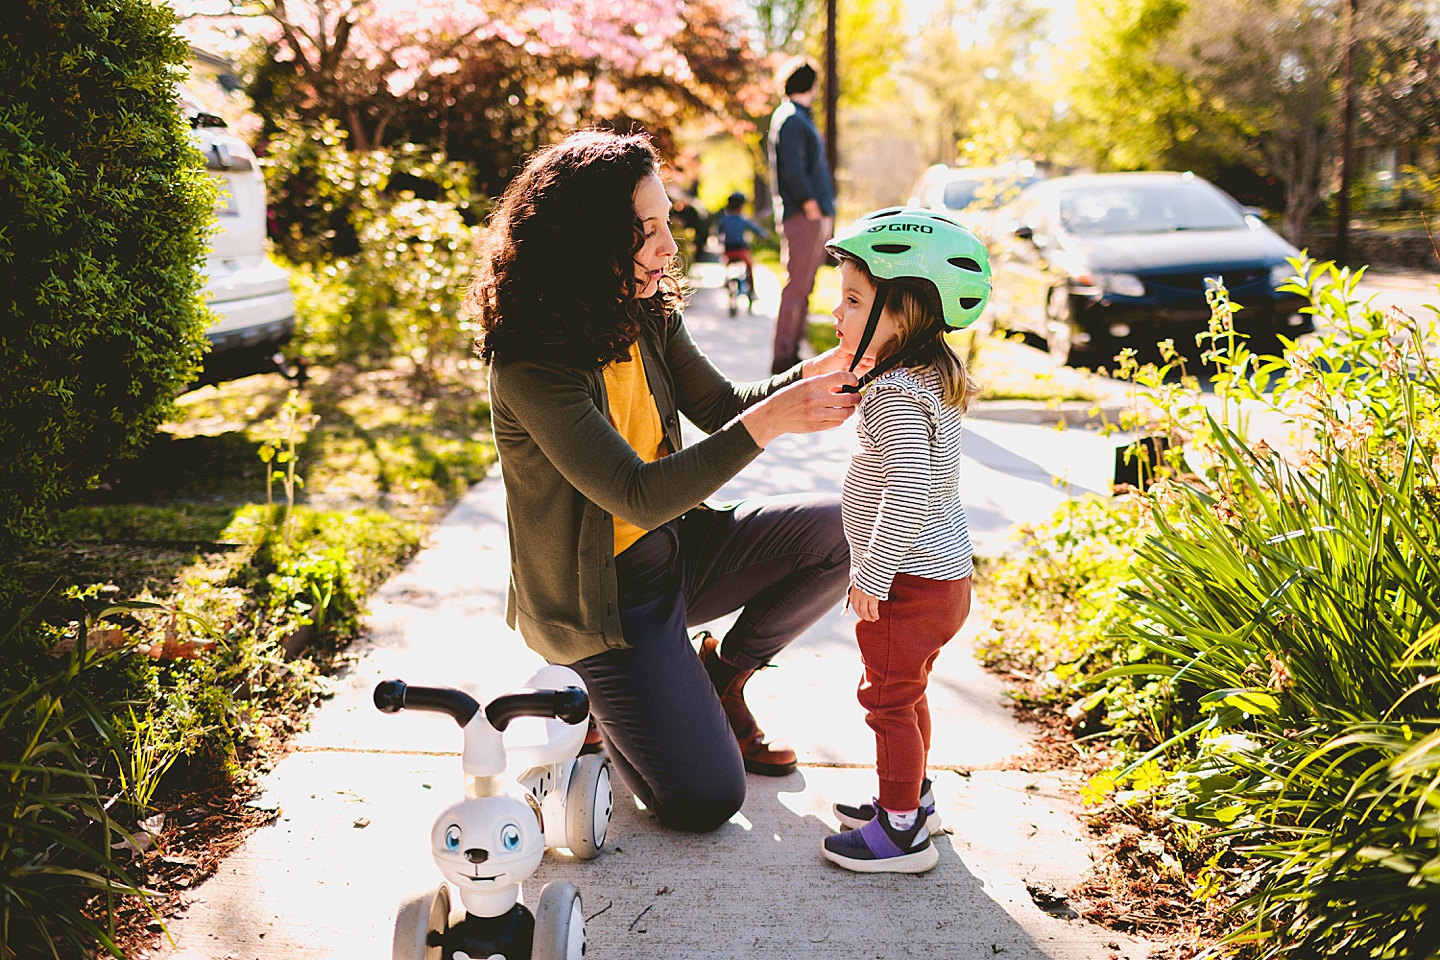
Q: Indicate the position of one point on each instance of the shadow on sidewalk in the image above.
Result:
(759, 887)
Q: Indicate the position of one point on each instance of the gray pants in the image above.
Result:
(783, 560)
(805, 241)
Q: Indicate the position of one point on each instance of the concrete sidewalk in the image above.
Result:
(357, 796)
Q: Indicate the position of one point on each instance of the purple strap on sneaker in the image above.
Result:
(877, 838)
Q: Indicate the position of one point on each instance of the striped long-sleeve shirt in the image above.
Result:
(901, 506)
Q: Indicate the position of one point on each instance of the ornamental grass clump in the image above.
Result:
(1289, 607)
(62, 865)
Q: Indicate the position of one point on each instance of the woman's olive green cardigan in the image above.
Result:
(567, 472)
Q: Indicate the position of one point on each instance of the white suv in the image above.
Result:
(972, 194)
(250, 292)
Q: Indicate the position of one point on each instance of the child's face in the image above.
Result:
(856, 296)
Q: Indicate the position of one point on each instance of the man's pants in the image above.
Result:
(899, 651)
(805, 241)
(783, 560)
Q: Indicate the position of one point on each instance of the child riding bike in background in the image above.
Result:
(906, 277)
(734, 229)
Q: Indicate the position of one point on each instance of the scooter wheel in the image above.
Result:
(588, 802)
(420, 916)
(559, 923)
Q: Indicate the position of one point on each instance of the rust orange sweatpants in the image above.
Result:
(898, 652)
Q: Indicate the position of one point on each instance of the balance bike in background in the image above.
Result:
(493, 839)
(737, 285)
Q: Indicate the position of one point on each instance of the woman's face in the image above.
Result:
(652, 206)
(856, 296)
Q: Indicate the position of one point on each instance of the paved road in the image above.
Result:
(357, 797)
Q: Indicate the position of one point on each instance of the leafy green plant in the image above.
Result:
(308, 587)
(1060, 588)
(283, 435)
(1289, 607)
(149, 753)
(60, 873)
(382, 269)
(1265, 656)
(413, 268)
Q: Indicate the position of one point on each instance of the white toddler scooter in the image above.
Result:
(489, 842)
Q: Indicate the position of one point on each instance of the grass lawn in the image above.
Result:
(193, 507)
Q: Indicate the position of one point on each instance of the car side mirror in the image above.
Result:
(1024, 232)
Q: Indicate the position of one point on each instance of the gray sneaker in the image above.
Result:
(853, 816)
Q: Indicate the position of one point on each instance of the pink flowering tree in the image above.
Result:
(489, 81)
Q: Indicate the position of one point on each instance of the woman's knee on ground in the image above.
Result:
(702, 810)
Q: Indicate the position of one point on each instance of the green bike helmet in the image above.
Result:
(913, 243)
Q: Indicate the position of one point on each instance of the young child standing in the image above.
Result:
(907, 275)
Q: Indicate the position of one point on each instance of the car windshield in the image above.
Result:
(1147, 208)
(983, 192)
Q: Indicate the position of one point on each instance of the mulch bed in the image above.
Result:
(203, 825)
(1130, 889)
(201, 830)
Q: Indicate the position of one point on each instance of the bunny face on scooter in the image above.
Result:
(487, 846)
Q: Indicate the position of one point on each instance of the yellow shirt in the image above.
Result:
(634, 415)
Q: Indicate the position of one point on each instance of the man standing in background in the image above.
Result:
(805, 207)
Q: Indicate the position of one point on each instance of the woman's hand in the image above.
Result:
(865, 606)
(836, 358)
(805, 406)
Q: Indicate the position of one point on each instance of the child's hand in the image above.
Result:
(865, 606)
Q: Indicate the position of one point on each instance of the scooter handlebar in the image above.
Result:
(392, 696)
(570, 704)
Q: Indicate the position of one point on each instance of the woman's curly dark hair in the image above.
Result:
(555, 281)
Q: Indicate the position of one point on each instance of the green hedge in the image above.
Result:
(105, 209)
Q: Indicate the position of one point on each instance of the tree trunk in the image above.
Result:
(1299, 163)
(355, 124)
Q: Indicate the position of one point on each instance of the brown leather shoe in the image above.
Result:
(770, 758)
(593, 743)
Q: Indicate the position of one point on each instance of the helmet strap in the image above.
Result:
(882, 292)
(937, 328)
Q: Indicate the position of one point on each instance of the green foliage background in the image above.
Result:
(104, 207)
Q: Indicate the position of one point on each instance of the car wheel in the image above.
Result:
(1059, 329)
(1092, 352)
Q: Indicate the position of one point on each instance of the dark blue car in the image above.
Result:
(1092, 263)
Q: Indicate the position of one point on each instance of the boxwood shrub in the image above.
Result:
(105, 211)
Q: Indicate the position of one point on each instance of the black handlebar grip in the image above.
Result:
(392, 696)
(570, 704)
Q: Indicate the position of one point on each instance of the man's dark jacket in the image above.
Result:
(798, 168)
